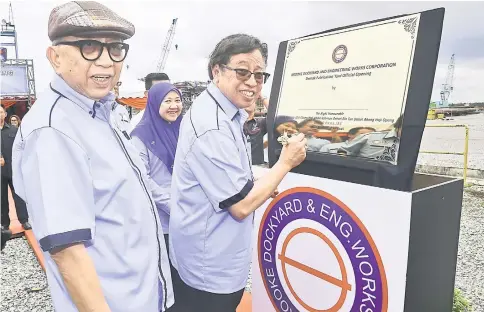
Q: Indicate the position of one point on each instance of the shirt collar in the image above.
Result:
(59, 86)
(230, 109)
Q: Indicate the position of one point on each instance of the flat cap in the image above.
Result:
(87, 19)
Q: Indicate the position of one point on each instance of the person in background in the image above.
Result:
(8, 133)
(156, 137)
(15, 121)
(310, 127)
(262, 105)
(84, 182)
(284, 124)
(214, 193)
(150, 80)
(5, 236)
(255, 128)
(380, 145)
(352, 134)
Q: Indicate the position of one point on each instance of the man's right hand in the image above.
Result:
(294, 152)
(2, 162)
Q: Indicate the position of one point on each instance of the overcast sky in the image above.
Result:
(202, 24)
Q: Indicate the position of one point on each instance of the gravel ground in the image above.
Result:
(21, 273)
(19, 268)
(452, 140)
(470, 261)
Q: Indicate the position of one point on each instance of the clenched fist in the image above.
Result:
(294, 152)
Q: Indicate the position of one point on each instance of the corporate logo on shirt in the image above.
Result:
(340, 53)
(316, 255)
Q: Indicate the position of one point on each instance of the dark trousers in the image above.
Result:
(188, 299)
(22, 213)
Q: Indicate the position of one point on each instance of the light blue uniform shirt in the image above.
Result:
(381, 145)
(210, 249)
(159, 179)
(83, 181)
(333, 148)
(315, 144)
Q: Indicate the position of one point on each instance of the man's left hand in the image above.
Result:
(2, 162)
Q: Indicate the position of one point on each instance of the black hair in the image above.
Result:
(307, 120)
(399, 123)
(354, 131)
(232, 45)
(154, 77)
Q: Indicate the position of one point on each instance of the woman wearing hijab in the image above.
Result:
(284, 124)
(156, 137)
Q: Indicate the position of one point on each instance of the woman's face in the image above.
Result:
(171, 106)
(14, 121)
(288, 127)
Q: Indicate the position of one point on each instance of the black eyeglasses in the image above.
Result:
(245, 74)
(91, 50)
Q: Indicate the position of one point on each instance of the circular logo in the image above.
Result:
(340, 53)
(302, 220)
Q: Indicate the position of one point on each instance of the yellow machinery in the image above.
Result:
(432, 115)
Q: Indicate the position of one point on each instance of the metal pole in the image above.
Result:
(466, 147)
(466, 150)
(16, 45)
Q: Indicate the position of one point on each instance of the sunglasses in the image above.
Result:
(91, 50)
(245, 74)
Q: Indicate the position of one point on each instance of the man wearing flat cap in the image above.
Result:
(83, 181)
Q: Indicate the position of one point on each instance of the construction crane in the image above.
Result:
(8, 30)
(448, 86)
(165, 50)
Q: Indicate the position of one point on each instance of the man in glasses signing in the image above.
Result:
(83, 181)
(214, 194)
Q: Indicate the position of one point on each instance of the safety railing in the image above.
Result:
(465, 153)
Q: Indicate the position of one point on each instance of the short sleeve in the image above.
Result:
(53, 175)
(215, 162)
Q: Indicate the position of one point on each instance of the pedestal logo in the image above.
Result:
(294, 230)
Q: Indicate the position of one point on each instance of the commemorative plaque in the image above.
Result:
(359, 93)
(353, 228)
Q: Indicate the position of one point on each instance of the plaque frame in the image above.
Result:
(367, 171)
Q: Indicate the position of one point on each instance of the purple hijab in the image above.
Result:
(157, 134)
